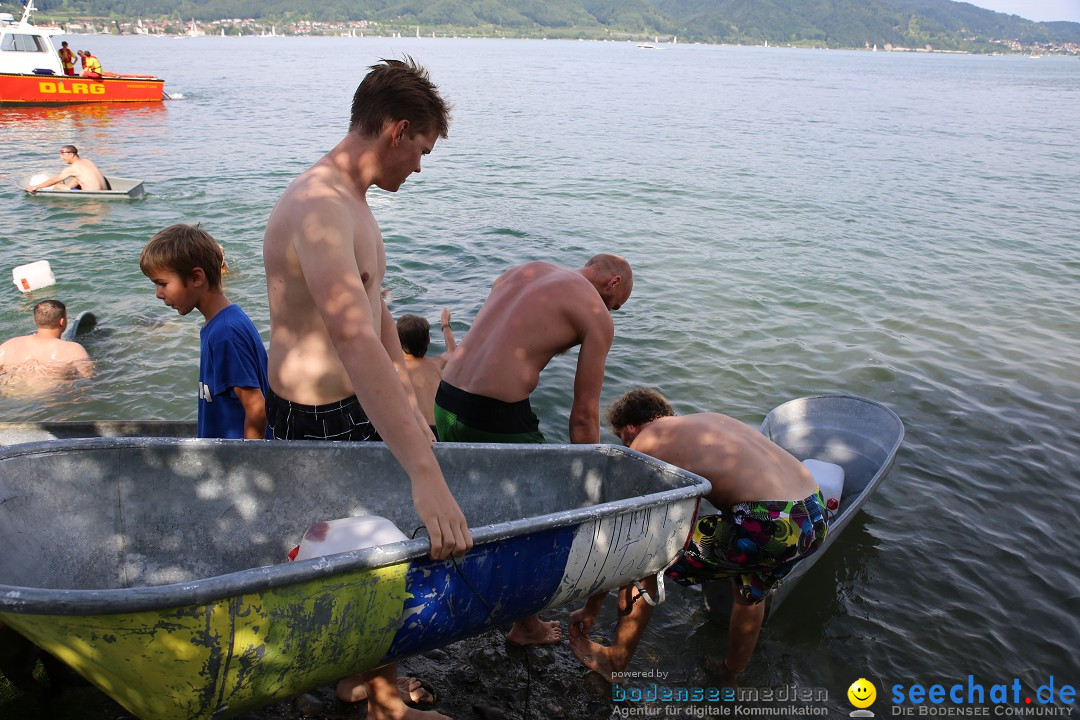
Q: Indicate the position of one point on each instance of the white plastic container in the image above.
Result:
(830, 478)
(33, 276)
(353, 533)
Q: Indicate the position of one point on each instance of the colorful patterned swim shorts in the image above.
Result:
(756, 543)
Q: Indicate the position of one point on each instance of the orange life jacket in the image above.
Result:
(67, 59)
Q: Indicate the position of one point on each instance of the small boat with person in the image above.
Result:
(119, 188)
(31, 72)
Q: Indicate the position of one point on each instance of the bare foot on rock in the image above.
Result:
(412, 690)
(534, 631)
(595, 656)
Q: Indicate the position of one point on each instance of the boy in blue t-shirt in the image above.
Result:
(184, 263)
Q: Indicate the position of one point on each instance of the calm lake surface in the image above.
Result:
(902, 227)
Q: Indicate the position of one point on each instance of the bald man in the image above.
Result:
(534, 312)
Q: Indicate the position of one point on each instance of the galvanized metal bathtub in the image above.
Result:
(157, 567)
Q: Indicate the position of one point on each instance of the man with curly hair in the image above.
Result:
(771, 516)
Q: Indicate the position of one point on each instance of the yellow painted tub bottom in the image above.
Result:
(229, 655)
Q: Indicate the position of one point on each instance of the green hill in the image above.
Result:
(942, 24)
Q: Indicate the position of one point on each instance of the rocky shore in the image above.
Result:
(481, 678)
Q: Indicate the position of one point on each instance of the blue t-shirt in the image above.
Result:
(231, 354)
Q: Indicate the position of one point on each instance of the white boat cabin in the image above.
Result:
(27, 49)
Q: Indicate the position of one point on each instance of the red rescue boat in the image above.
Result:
(31, 72)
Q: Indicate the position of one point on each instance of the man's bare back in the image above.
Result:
(35, 364)
(425, 375)
(741, 463)
(534, 312)
(86, 174)
(45, 352)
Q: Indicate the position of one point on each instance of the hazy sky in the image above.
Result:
(1034, 9)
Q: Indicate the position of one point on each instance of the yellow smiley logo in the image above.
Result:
(862, 693)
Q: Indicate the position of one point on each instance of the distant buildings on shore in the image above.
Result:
(1014, 46)
(229, 27)
(359, 28)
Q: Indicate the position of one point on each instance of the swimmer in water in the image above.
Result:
(42, 360)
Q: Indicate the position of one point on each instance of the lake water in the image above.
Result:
(898, 226)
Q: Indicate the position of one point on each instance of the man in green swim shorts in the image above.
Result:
(771, 516)
(534, 312)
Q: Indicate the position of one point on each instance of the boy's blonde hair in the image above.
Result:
(181, 248)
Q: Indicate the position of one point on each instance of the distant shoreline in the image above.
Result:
(401, 28)
(630, 41)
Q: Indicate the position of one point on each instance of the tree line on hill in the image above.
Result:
(942, 24)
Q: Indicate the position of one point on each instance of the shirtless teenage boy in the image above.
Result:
(82, 173)
(425, 372)
(335, 364)
(43, 356)
(534, 312)
(767, 499)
